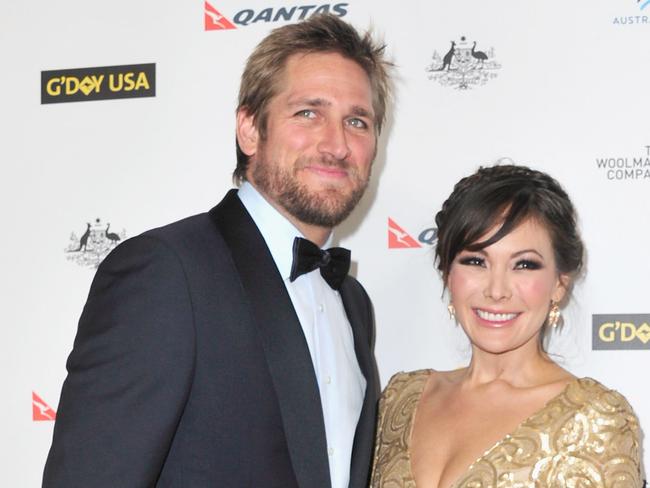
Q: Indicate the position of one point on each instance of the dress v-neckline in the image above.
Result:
(489, 450)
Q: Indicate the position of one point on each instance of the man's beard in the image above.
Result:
(324, 208)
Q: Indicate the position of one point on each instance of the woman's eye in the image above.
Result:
(472, 261)
(527, 264)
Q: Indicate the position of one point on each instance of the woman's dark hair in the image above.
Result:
(506, 196)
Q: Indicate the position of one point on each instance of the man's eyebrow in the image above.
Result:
(362, 112)
(356, 110)
(310, 102)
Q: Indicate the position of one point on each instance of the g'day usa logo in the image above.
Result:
(215, 20)
(100, 83)
(621, 331)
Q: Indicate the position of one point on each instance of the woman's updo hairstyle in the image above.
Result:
(506, 196)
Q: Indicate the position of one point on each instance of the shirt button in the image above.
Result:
(328, 380)
(330, 451)
(320, 307)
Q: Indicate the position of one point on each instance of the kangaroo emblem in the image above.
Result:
(446, 61)
(83, 241)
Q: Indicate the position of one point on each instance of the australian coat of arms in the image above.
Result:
(463, 65)
(93, 245)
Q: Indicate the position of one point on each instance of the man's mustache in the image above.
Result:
(342, 164)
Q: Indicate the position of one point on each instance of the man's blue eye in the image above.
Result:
(308, 114)
(358, 123)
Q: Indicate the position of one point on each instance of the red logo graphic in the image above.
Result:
(41, 410)
(398, 238)
(214, 20)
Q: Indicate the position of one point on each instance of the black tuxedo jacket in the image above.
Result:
(190, 369)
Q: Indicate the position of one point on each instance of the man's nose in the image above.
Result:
(334, 141)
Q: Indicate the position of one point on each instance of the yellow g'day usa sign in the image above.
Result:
(621, 331)
(100, 83)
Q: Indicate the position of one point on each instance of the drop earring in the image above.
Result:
(554, 315)
(452, 311)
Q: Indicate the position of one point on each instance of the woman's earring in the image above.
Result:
(554, 315)
(452, 312)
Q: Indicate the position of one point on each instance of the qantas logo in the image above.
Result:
(41, 410)
(214, 20)
(398, 238)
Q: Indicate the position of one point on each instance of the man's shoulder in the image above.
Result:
(181, 227)
(192, 237)
(184, 237)
(194, 225)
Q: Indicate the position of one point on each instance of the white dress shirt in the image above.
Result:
(327, 332)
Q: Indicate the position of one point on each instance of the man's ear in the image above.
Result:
(247, 134)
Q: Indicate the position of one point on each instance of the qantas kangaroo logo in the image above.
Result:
(398, 238)
(214, 20)
(41, 410)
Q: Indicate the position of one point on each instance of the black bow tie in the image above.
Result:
(334, 263)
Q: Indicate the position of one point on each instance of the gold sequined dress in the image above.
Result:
(587, 436)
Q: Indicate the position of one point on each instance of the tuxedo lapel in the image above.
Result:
(357, 308)
(284, 344)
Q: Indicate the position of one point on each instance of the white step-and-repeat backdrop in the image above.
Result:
(117, 117)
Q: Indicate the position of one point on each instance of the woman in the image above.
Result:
(508, 249)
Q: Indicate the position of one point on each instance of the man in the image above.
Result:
(206, 354)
